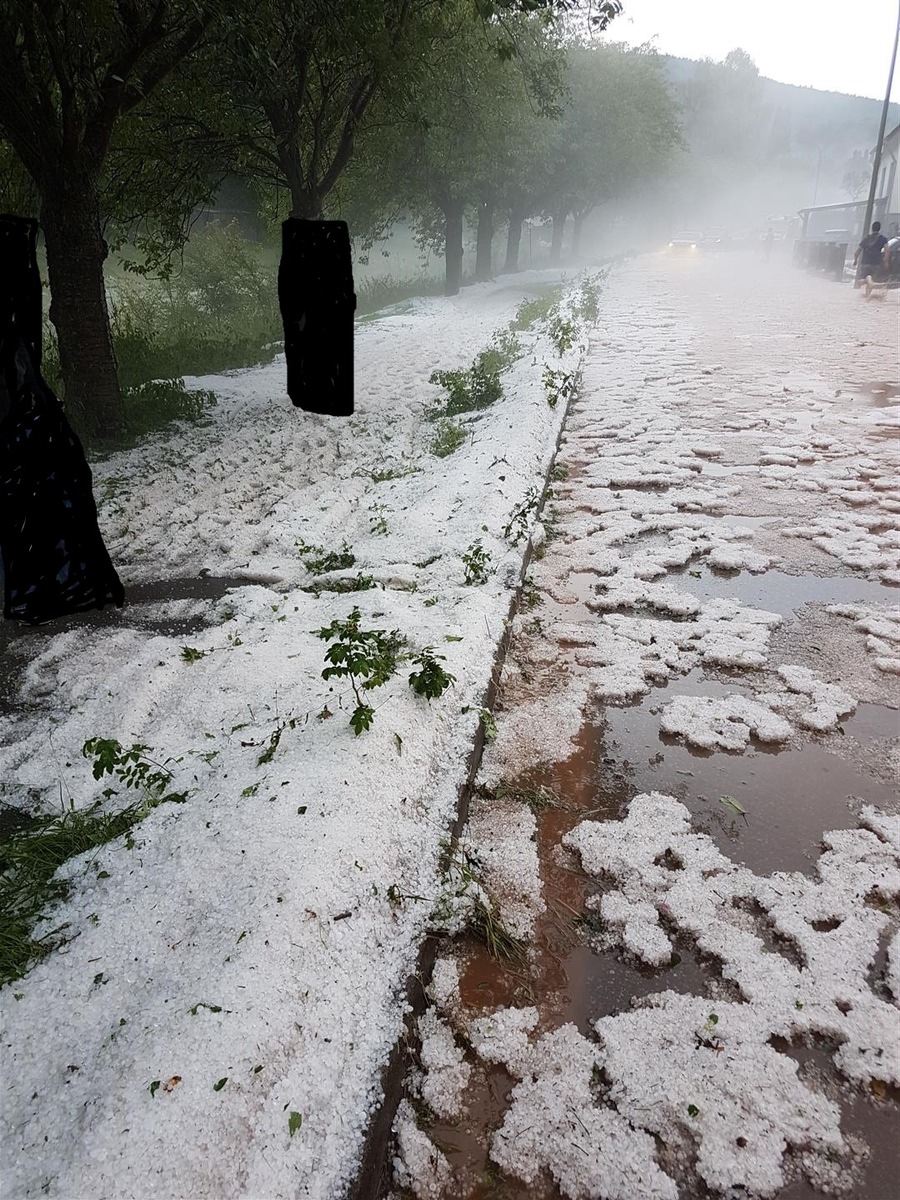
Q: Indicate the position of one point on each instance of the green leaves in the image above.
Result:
(560, 385)
(431, 680)
(362, 718)
(319, 561)
(295, 1121)
(370, 657)
(562, 333)
(517, 526)
(133, 769)
(475, 563)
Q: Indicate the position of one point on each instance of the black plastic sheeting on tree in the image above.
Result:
(54, 560)
(315, 293)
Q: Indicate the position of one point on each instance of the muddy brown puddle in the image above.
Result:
(772, 590)
(790, 797)
(879, 394)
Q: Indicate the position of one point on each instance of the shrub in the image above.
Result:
(536, 309)
(448, 437)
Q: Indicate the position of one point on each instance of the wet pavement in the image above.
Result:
(790, 793)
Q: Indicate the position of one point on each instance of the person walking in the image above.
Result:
(869, 255)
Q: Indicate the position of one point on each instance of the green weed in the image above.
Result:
(275, 740)
(587, 305)
(431, 680)
(530, 596)
(378, 518)
(319, 561)
(502, 353)
(562, 333)
(537, 309)
(468, 391)
(368, 658)
(448, 437)
(360, 583)
(475, 563)
(518, 524)
(31, 857)
(560, 385)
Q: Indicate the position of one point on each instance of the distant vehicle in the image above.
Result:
(686, 242)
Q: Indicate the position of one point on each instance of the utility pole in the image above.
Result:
(876, 165)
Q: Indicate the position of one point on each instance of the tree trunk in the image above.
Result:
(484, 243)
(556, 240)
(76, 252)
(577, 225)
(513, 238)
(305, 205)
(453, 247)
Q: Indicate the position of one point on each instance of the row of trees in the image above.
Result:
(119, 117)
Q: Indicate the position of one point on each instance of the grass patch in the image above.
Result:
(29, 861)
(463, 895)
(485, 926)
(149, 406)
(449, 436)
(479, 386)
(384, 290)
(538, 799)
(319, 561)
(536, 309)
(31, 857)
(217, 311)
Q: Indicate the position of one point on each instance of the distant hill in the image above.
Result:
(804, 116)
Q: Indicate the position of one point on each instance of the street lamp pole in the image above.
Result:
(876, 165)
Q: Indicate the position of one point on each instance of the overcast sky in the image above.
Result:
(828, 44)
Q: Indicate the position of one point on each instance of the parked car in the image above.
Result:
(687, 241)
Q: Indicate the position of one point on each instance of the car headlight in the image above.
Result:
(693, 245)
(671, 244)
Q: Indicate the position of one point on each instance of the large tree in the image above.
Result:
(68, 73)
(76, 77)
(618, 130)
(302, 76)
(462, 126)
